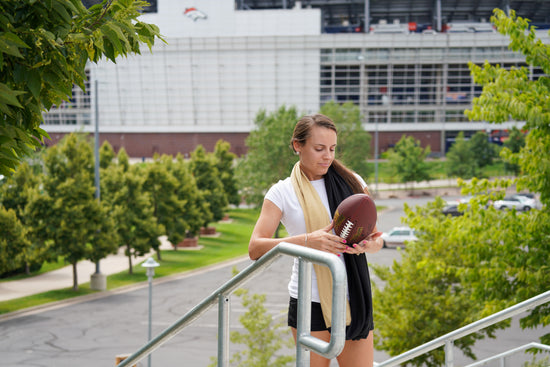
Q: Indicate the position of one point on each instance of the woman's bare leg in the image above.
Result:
(357, 353)
(316, 360)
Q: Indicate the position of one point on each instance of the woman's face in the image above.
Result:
(317, 154)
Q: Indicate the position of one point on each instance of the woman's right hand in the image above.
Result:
(325, 240)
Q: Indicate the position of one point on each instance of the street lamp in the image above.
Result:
(98, 281)
(150, 265)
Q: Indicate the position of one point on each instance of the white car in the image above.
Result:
(518, 202)
(397, 236)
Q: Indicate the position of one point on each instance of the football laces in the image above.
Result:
(347, 229)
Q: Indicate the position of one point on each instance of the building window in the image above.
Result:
(377, 84)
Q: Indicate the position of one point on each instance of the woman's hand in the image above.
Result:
(371, 244)
(324, 240)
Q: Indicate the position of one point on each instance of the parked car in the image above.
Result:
(397, 236)
(517, 202)
(452, 209)
(528, 200)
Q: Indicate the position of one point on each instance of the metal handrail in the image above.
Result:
(448, 339)
(501, 356)
(305, 341)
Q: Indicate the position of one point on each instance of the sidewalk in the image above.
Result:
(63, 277)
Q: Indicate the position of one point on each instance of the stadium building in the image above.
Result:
(404, 63)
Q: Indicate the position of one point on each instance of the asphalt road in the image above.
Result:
(93, 333)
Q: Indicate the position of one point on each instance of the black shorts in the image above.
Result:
(317, 319)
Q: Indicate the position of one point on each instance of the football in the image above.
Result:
(355, 218)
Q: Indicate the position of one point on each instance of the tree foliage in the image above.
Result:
(408, 160)
(13, 241)
(162, 187)
(130, 207)
(353, 141)
(269, 156)
(263, 337)
(225, 161)
(484, 151)
(510, 94)
(466, 158)
(15, 193)
(195, 208)
(66, 211)
(460, 159)
(464, 268)
(514, 144)
(44, 48)
(207, 177)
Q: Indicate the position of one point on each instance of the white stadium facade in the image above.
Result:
(225, 60)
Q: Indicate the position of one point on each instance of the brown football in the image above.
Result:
(355, 218)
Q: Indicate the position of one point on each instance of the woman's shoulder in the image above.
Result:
(282, 186)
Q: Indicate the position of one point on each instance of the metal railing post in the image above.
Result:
(223, 330)
(304, 311)
(449, 356)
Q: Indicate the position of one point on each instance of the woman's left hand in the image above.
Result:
(371, 244)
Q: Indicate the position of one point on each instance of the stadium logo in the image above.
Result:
(194, 14)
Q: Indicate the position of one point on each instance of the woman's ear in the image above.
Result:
(297, 147)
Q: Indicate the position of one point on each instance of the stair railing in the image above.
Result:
(501, 357)
(305, 342)
(448, 339)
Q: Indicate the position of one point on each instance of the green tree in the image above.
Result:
(208, 181)
(163, 188)
(225, 164)
(486, 260)
(15, 193)
(65, 211)
(511, 94)
(353, 141)
(44, 49)
(483, 150)
(13, 241)
(408, 160)
(426, 294)
(195, 210)
(106, 155)
(514, 143)
(460, 159)
(263, 337)
(131, 209)
(269, 157)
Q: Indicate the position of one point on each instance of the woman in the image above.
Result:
(305, 203)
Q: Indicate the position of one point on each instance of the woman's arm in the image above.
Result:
(262, 239)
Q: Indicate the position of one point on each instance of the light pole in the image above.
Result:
(376, 156)
(98, 281)
(150, 265)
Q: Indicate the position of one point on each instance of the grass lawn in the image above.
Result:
(437, 169)
(46, 267)
(233, 242)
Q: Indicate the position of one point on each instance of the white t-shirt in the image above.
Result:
(283, 196)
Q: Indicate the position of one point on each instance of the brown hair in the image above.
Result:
(302, 132)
